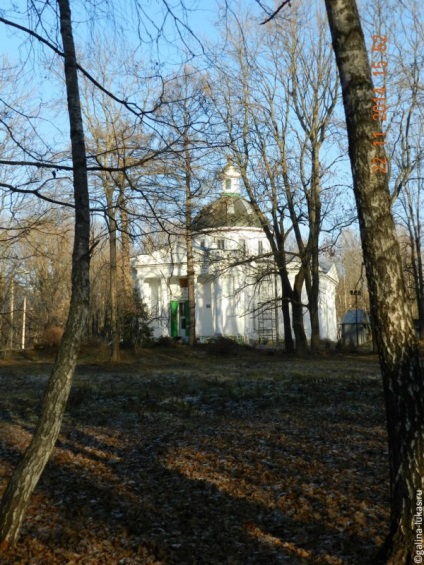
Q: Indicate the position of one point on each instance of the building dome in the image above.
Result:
(230, 209)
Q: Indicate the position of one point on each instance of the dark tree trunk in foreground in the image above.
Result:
(395, 336)
(27, 473)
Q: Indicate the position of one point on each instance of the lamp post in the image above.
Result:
(356, 293)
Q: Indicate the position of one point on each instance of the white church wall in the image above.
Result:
(232, 237)
(226, 298)
(153, 294)
(327, 309)
(224, 303)
(205, 307)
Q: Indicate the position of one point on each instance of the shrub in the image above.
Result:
(222, 346)
(165, 341)
(50, 337)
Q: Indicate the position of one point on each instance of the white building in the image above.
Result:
(232, 297)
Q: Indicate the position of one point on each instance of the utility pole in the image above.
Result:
(23, 322)
(11, 313)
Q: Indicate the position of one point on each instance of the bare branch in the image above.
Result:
(275, 12)
(35, 192)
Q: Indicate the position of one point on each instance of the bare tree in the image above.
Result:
(118, 145)
(313, 93)
(405, 140)
(236, 104)
(186, 112)
(46, 164)
(108, 140)
(395, 335)
(277, 95)
(29, 469)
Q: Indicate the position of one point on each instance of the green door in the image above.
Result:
(174, 318)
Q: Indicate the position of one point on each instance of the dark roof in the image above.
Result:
(351, 317)
(230, 210)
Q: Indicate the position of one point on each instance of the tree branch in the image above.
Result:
(132, 107)
(273, 14)
(36, 193)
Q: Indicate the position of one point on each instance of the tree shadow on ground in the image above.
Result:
(251, 474)
(141, 512)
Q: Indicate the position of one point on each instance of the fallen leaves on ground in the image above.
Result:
(177, 459)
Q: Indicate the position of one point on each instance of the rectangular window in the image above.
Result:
(242, 246)
(220, 243)
(260, 247)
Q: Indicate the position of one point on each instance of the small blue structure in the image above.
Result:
(356, 328)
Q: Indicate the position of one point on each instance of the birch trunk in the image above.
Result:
(26, 475)
(394, 331)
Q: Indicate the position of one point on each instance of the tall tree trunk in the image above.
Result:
(115, 354)
(112, 226)
(297, 312)
(26, 475)
(191, 290)
(311, 252)
(313, 301)
(395, 336)
(113, 270)
(191, 276)
(125, 250)
(289, 345)
(287, 293)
